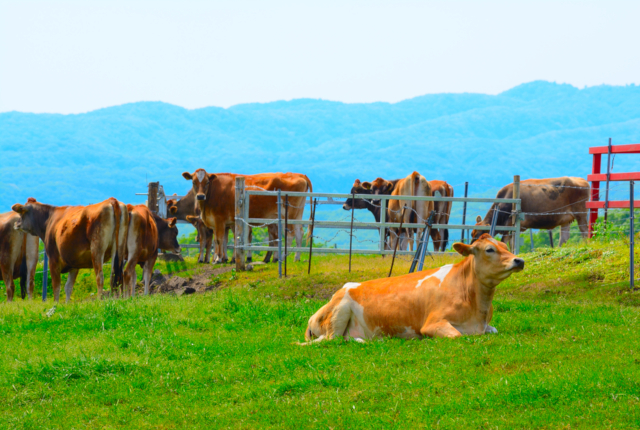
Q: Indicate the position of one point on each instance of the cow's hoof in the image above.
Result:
(491, 330)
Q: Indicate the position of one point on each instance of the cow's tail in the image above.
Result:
(23, 273)
(117, 271)
(309, 189)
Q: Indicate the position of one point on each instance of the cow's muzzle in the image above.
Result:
(518, 264)
(346, 207)
(200, 196)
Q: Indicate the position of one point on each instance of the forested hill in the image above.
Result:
(538, 129)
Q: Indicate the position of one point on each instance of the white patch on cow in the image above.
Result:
(440, 274)
(350, 285)
(200, 175)
(408, 333)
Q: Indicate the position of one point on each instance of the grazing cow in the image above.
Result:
(372, 205)
(440, 237)
(186, 209)
(547, 203)
(215, 194)
(78, 237)
(18, 256)
(417, 211)
(450, 301)
(146, 234)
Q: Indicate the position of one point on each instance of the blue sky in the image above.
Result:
(76, 56)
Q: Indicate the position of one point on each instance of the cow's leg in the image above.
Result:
(203, 250)
(583, 224)
(32, 262)
(97, 258)
(130, 277)
(208, 245)
(249, 254)
(68, 286)
(54, 271)
(7, 277)
(221, 248)
(440, 328)
(565, 233)
(147, 271)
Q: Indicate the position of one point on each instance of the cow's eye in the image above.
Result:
(491, 250)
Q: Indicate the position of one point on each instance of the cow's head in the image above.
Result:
(358, 188)
(32, 219)
(475, 234)
(381, 187)
(171, 206)
(200, 180)
(168, 235)
(493, 262)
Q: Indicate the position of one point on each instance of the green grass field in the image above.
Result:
(567, 355)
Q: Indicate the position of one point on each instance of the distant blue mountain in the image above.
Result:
(538, 129)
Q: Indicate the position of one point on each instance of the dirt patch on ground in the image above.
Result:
(187, 282)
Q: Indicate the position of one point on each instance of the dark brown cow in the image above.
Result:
(18, 256)
(547, 203)
(146, 234)
(78, 237)
(215, 194)
(440, 237)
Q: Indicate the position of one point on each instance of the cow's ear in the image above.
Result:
(173, 209)
(366, 185)
(388, 187)
(187, 176)
(212, 176)
(31, 200)
(478, 219)
(171, 202)
(172, 222)
(21, 209)
(356, 183)
(463, 249)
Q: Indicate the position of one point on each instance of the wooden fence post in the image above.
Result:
(240, 223)
(515, 207)
(464, 212)
(152, 198)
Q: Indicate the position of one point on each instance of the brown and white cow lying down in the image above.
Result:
(146, 234)
(450, 301)
(215, 194)
(78, 237)
(18, 256)
(547, 203)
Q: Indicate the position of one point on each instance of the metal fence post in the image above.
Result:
(551, 237)
(395, 249)
(494, 220)
(240, 224)
(383, 219)
(45, 275)
(606, 195)
(631, 238)
(516, 215)
(464, 212)
(531, 237)
(310, 232)
(353, 200)
(286, 230)
(279, 234)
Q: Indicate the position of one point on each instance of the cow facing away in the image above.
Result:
(440, 237)
(546, 204)
(416, 211)
(18, 256)
(449, 301)
(215, 194)
(78, 237)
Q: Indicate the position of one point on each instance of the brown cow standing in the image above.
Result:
(146, 234)
(186, 209)
(78, 237)
(215, 194)
(18, 256)
(440, 237)
(546, 204)
(416, 211)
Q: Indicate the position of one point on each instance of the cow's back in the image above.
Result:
(11, 243)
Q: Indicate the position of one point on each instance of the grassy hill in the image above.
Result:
(565, 356)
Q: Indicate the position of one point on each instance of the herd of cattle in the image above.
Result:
(80, 237)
